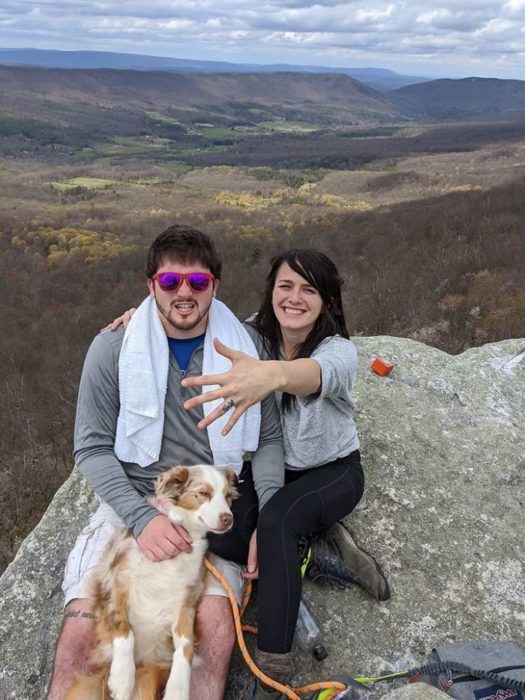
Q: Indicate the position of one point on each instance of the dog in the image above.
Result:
(144, 610)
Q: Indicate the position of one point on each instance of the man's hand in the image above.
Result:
(161, 539)
(252, 566)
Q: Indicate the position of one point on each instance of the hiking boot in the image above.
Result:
(337, 558)
(257, 691)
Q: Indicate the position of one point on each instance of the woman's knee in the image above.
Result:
(272, 515)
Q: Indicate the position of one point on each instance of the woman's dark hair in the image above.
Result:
(185, 245)
(321, 273)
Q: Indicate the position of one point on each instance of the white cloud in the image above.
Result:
(417, 36)
(375, 15)
(515, 6)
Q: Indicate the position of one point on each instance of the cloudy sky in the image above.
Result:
(451, 38)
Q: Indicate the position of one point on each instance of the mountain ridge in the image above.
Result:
(323, 99)
(382, 79)
(470, 97)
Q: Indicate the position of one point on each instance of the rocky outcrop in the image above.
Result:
(443, 444)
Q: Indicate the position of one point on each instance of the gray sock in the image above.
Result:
(279, 667)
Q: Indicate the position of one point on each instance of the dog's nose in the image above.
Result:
(226, 520)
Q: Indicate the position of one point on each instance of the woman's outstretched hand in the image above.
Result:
(248, 382)
(120, 320)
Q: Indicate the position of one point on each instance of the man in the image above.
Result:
(183, 271)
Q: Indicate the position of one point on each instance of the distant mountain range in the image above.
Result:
(377, 78)
(88, 103)
(75, 96)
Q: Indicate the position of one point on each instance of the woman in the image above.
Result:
(313, 371)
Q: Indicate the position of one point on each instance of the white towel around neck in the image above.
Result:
(143, 381)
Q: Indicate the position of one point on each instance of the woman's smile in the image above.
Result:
(296, 303)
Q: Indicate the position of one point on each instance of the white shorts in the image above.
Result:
(90, 545)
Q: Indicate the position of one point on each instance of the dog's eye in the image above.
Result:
(204, 493)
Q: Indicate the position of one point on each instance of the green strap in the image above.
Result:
(306, 561)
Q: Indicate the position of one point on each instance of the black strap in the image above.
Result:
(501, 669)
(503, 681)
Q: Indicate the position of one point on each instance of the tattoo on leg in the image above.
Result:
(77, 613)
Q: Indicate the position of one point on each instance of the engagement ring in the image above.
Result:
(230, 403)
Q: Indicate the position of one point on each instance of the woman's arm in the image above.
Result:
(249, 381)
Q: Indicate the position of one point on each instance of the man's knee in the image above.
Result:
(215, 629)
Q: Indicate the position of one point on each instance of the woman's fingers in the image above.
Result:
(204, 380)
(204, 398)
(245, 384)
(217, 413)
(233, 419)
(225, 350)
(210, 418)
(114, 324)
(121, 320)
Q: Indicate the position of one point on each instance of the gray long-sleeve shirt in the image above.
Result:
(319, 429)
(123, 485)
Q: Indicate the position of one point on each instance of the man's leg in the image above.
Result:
(216, 634)
(74, 647)
(76, 639)
(214, 621)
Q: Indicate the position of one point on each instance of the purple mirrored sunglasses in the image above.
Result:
(171, 281)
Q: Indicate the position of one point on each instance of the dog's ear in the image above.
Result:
(171, 483)
(233, 482)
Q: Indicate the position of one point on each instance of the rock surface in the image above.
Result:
(443, 444)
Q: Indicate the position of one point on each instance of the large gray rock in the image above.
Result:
(443, 444)
(416, 691)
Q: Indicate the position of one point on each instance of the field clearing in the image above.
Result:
(284, 126)
(83, 183)
(164, 118)
(214, 132)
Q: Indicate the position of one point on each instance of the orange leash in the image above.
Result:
(292, 693)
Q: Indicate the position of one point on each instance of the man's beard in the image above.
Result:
(182, 324)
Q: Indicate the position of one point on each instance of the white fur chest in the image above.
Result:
(157, 591)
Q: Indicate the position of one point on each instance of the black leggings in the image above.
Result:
(310, 501)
